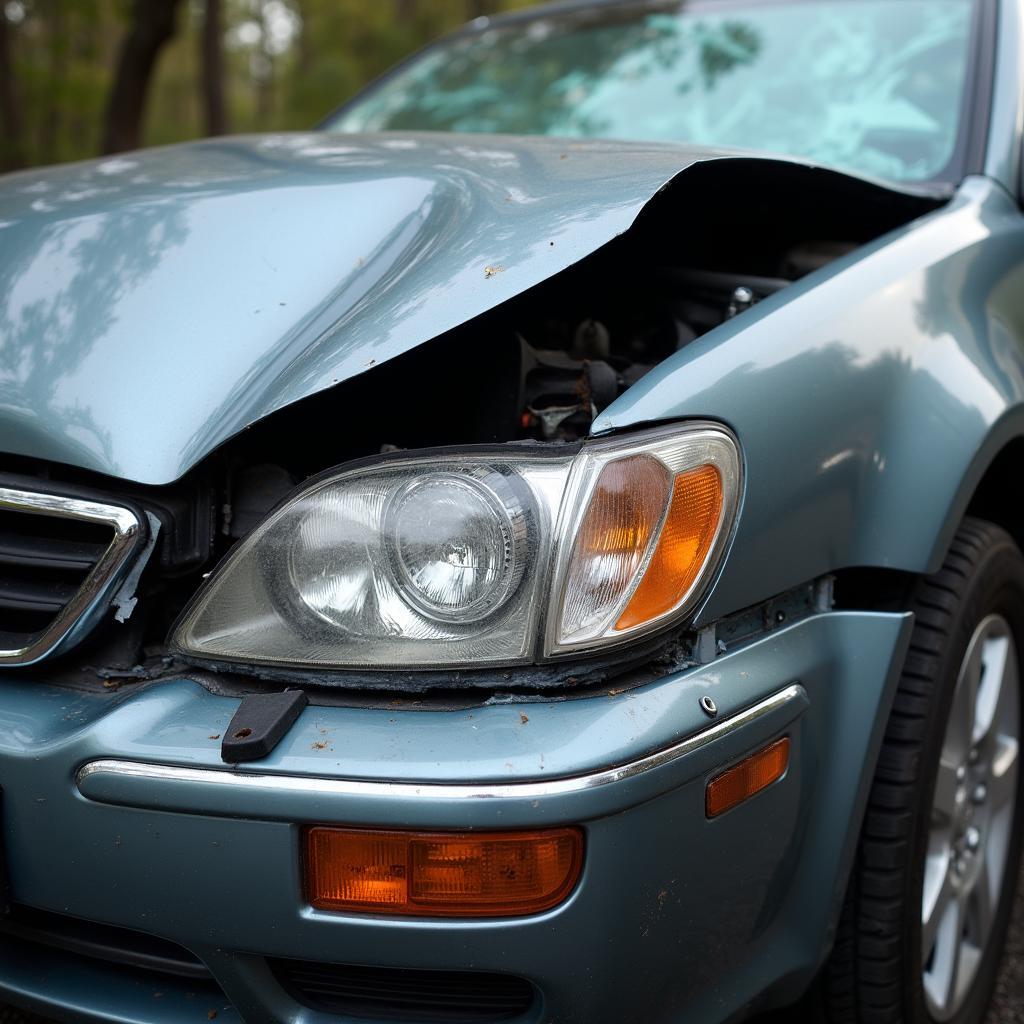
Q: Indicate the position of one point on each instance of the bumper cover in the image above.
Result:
(675, 918)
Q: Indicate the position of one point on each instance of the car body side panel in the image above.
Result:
(864, 398)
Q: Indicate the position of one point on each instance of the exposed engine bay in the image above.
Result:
(572, 370)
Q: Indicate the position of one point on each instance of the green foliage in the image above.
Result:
(62, 52)
(288, 63)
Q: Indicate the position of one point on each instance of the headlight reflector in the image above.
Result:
(456, 547)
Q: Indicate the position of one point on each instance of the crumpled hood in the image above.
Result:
(153, 305)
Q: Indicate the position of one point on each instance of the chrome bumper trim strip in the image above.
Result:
(532, 790)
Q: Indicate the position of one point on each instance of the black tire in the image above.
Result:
(874, 975)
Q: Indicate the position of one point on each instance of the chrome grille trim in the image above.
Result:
(78, 616)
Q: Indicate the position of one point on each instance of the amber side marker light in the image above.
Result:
(441, 874)
(747, 779)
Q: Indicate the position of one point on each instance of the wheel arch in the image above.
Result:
(993, 488)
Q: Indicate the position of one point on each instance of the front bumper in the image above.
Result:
(675, 918)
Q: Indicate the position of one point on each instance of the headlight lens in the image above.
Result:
(472, 558)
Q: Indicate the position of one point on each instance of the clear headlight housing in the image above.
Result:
(487, 556)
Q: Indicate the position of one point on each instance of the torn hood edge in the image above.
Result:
(154, 305)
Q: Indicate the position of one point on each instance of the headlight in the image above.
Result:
(477, 557)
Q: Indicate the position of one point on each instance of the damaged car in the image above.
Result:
(543, 547)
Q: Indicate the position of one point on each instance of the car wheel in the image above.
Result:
(932, 888)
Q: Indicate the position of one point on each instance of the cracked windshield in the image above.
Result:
(874, 86)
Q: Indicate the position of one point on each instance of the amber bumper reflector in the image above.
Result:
(436, 874)
(747, 778)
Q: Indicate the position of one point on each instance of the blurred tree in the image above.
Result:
(153, 25)
(263, 62)
(11, 151)
(57, 62)
(214, 107)
(126, 73)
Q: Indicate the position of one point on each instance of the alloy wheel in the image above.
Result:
(971, 818)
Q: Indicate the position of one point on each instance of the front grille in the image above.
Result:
(60, 557)
(43, 563)
(384, 993)
(94, 941)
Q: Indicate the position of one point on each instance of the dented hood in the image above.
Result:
(153, 305)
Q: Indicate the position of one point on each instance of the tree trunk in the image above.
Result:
(214, 108)
(305, 56)
(152, 27)
(405, 11)
(51, 117)
(264, 75)
(12, 154)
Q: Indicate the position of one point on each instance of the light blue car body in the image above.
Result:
(153, 306)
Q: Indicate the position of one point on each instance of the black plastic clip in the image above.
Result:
(259, 724)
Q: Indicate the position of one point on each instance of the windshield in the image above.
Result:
(875, 86)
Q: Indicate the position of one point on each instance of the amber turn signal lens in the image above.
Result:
(619, 527)
(433, 874)
(683, 546)
(747, 778)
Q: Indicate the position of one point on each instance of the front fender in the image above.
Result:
(869, 398)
